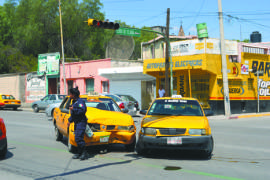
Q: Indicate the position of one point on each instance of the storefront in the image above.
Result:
(200, 76)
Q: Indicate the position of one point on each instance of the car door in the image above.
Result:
(60, 114)
(44, 102)
(66, 117)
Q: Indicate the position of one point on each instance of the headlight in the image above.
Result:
(127, 128)
(150, 131)
(197, 131)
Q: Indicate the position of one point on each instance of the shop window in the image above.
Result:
(89, 85)
(200, 89)
(233, 58)
(105, 86)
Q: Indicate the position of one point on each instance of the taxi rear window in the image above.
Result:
(176, 107)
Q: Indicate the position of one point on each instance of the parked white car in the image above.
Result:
(125, 106)
(50, 109)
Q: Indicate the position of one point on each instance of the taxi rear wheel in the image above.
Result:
(131, 147)
(71, 148)
(58, 135)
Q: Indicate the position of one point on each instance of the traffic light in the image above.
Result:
(103, 24)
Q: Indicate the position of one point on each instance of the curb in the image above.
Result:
(248, 116)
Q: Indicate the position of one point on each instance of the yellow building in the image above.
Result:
(197, 65)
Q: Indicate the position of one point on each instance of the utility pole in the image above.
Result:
(62, 44)
(167, 62)
(224, 63)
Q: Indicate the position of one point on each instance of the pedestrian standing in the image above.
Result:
(78, 110)
(161, 91)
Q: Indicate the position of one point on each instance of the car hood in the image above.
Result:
(95, 115)
(175, 121)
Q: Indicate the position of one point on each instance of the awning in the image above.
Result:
(230, 77)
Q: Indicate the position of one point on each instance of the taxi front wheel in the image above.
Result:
(140, 149)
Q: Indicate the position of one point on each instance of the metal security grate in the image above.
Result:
(172, 131)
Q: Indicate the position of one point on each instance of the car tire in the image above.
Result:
(131, 147)
(140, 149)
(71, 148)
(35, 108)
(3, 152)
(210, 147)
(58, 135)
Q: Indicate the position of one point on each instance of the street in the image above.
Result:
(241, 151)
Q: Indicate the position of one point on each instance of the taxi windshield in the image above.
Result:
(103, 104)
(175, 107)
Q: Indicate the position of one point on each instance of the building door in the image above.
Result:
(52, 82)
(200, 89)
(89, 85)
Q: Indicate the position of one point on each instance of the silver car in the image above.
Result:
(43, 103)
(125, 106)
(50, 109)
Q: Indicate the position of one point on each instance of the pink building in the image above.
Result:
(84, 74)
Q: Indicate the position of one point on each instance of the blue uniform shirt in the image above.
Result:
(78, 112)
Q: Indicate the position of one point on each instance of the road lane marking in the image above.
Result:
(132, 161)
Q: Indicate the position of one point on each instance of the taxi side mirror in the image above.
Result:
(208, 113)
(143, 112)
(125, 110)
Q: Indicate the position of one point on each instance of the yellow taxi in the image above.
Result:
(175, 123)
(106, 120)
(9, 101)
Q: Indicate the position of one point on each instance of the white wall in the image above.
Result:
(130, 87)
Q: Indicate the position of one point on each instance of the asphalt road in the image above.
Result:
(241, 151)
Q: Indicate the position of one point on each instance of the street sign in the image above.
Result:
(128, 32)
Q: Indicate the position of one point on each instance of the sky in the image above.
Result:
(241, 17)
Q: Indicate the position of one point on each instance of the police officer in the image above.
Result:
(78, 110)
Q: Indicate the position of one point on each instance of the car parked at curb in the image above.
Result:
(43, 103)
(9, 101)
(50, 109)
(106, 120)
(3, 139)
(125, 105)
(131, 99)
(175, 123)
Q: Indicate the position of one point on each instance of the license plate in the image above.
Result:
(104, 138)
(174, 140)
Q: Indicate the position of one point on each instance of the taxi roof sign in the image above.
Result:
(176, 96)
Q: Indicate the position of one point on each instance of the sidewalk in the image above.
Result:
(27, 107)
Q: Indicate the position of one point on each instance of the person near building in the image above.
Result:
(161, 91)
(78, 110)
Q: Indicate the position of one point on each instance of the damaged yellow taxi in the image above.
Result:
(175, 123)
(105, 119)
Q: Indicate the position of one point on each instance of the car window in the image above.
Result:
(11, 97)
(61, 97)
(53, 97)
(117, 99)
(68, 103)
(176, 107)
(4, 97)
(103, 104)
(63, 103)
(46, 98)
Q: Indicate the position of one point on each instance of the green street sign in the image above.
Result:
(128, 32)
